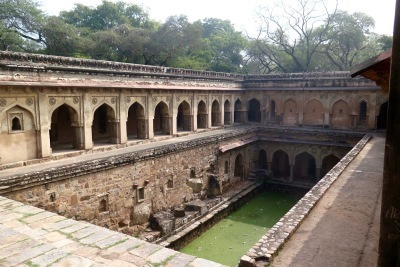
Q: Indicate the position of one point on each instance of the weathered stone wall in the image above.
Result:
(124, 190)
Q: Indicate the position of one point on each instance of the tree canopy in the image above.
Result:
(307, 36)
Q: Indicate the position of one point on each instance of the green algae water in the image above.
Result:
(228, 240)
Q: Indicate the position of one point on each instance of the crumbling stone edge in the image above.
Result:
(269, 244)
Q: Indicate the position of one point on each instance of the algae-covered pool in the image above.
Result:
(227, 241)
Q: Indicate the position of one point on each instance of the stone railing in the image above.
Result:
(49, 61)
(300, 75)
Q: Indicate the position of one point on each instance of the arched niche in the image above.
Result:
(254, 112)
(104, 127)
(340, 115)
(161, 121)
(215, 114)
(184, 118)
(280, 164)
(64, 129)
(304, 169)
(227, 112)
(290, 116)
(202, 115)
(314, 113)
(136, 123)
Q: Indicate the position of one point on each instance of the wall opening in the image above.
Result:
(304, 169)
(183, 118)
(290, 116)
(16, 124)
(104, 128)
(103, 205)
(215, 114)
(262, 160)
(136, 123)
(63, 131)
(201, 115)
(340, 115)
(362, 115)
(239, 166)
(238, 112)
(254, 112)
(227, 112)
(161, 121)
(382, 117)
(280, 164)
(314, 113)
(328, 163)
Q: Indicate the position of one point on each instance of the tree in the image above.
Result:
(20, 24)
(290, 35)
(348, 39)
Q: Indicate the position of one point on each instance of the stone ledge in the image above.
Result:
(269, 244)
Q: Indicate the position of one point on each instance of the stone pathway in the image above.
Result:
(343, 228)
(33, 237)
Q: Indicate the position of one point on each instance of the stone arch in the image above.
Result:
(239, 166)
(382, 116)
(18, 138)
(262, 160)
(184, 117)
(227, 112)
(314, 113)
(161, 121)
(328, 163)
(340, 114)
(238, 118)
(202, 115)
(290, 116)
(254, 113)
(280, 164)
(64, 128)
(304, 169)
(215, 114)
(136, 123)
(362, 112)
(104, 127)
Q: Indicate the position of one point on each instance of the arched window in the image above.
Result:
(103, 205)
(16, 124)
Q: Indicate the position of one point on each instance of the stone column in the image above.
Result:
(123, 118)
(194, 109)
(174, 113)
(326, 120)
(222, 114)
(389, 243)
(87, 121)
(209, 109)
(291, 172)
(150, 117)
(43, 135)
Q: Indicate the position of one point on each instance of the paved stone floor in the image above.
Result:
(343, 228)
(34, 237)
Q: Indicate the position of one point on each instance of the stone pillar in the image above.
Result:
(389, 243)
(43, 135)
(318, 173)
(115, 132)
(222, 114)
(291, 172)
(123, 118)
(150, 117)
(326, 120)
(232, 102)
(209, 109)
(173, 113)
(194, 108)
(78, 142)
(87, 121)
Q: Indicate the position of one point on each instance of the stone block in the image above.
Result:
(196, 205)
(163, 221)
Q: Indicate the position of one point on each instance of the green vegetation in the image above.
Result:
(303, 37)
(233, 236)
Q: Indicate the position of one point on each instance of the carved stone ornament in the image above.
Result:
(113, 100)
(29, 101)
(3, 102)
(128, 100)
(143, 99)
(94, 101)
(76, 100)
(52, 101)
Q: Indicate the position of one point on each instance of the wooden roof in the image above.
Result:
(376, 69)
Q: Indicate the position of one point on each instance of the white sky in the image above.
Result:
(242, 13)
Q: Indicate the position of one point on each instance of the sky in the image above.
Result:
(242, 13)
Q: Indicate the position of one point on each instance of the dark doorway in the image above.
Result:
(239, 166)
(136, 124)
(328, 163)
(304, 168)
(161, 123)
(382, 117)
(183, 119)
(227, 112)
(238, 112)
(104, 126)
(254, 113)
(215, 114)
(280, 164)
(262, 160)
(201, 115)
(62, 133)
